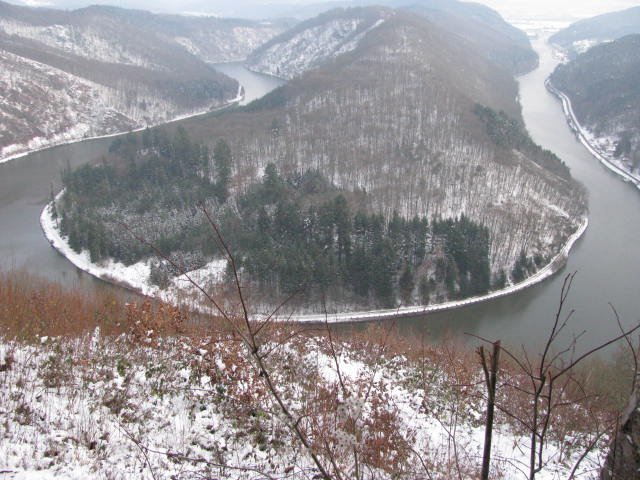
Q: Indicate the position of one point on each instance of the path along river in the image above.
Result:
(607, 258)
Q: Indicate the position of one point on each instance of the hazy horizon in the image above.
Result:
(510, 9)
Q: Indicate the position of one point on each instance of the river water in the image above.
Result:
(606, 258)
(26, 185)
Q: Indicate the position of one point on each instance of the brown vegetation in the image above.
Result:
(283, 384)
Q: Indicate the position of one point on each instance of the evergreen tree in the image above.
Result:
(222, 161)
(406, 284)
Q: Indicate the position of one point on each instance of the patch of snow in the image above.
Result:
(581, 46)
(95, 419)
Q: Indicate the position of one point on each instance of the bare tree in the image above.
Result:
(550, 378)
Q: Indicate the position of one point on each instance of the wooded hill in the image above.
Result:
(293, 235)
(482, 28)
(422, 124)
(313, 41)
(604, 87)
(581, 35)
(409, 129)
(100, 70)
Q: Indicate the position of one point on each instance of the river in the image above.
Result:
(27, 182)
(606, 258)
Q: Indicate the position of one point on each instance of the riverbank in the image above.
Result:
(69, 137)
(586, 138)
(134, 277)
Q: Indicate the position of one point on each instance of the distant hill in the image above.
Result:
(311, 42)
(483, 28)
(100, 70)
(580, 36)
(603, 85)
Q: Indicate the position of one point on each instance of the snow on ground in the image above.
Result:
(103, 408)
(136, 276)
(600, 147)
(311, 47)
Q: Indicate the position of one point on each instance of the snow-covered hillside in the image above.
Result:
(65, 76)
(101, 407)
(314, 42)
(602, 88)
(85, 42)
(43, 106)
(226, 42)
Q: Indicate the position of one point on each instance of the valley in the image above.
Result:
(25, 187)
(420, 154)
(102, 71)
(402, 184)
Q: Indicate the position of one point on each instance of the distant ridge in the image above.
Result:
(581, 35)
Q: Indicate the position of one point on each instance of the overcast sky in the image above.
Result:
(511, 9)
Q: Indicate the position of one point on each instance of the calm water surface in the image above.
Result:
(607, 258)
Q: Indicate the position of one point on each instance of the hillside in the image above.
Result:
(313, 42)
(92, 387)
(332, 33)
(410, 141)
(580, 36)
(99, 70)
(396, 117)
(483, 28)
(603, 85)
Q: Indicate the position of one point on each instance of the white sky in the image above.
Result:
(510, 9)
(520, 9)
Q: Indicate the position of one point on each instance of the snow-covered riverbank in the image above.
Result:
(590, 141)
(135, 277)
(76, 133)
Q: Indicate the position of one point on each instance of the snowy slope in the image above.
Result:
(43, 106)
(70, 75)
(316, 41)
(99, 407)
(86, 42)
(602, 87)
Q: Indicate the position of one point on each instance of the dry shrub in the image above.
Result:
(32, 307)
(149, 321)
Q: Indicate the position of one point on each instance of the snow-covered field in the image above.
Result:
(185, 408)
(136, 277)
(600, 148)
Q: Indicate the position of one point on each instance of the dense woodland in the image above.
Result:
(393, 129)
(293, 234)
(395, 118)
(603, 86)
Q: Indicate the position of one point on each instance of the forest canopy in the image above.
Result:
(293, 234)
